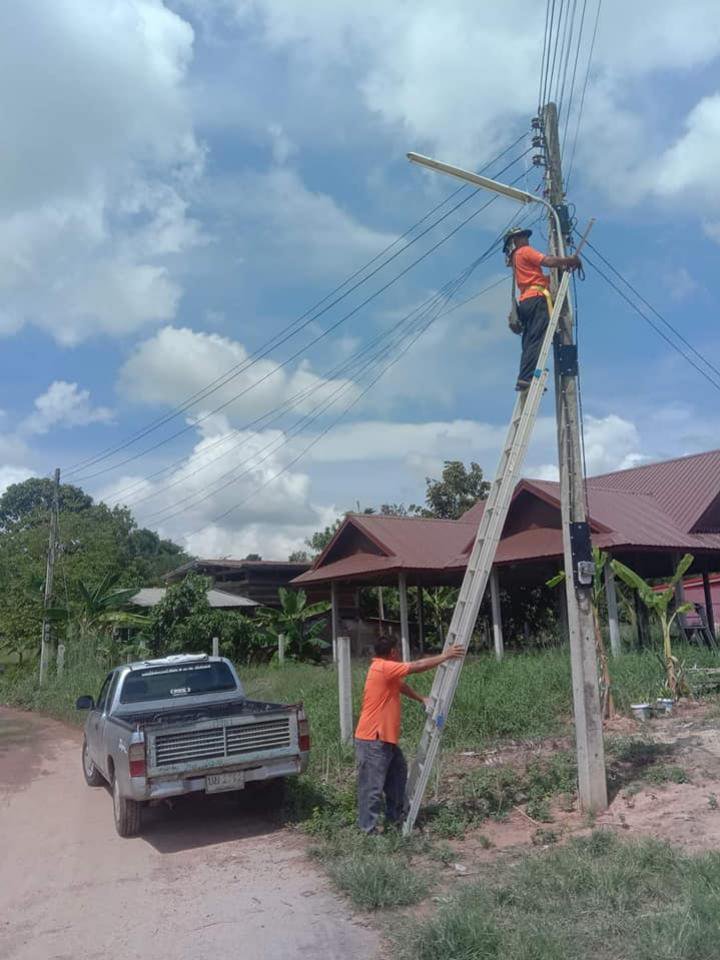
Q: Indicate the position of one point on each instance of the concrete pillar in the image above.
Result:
(496, 614)
(215, 647)
(60, 665)
(679, 596)
(345, 689)
(335, 617)
(420, 620)
(708, 604)
(613, 619)
(404, 622)
(281, 648)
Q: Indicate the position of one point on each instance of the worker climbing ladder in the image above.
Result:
(480, 564)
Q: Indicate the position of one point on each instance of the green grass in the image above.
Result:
(375, 881)
(598, 897)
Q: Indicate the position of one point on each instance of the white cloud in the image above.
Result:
(689, 165)
(10, 474)
(63, 405)
(289, 230)
(176, 363)
(267, 503)
(91, 195)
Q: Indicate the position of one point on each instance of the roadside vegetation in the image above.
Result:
(598, 897)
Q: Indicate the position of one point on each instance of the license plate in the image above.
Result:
(218, 782)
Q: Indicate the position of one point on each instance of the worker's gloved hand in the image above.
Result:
(575, 263)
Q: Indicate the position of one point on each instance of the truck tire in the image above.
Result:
(93, 777)
(126, 813)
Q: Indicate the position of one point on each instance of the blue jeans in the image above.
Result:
(381, 770)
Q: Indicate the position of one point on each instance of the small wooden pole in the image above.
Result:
(46, 642)
(613, 619)
(281, 648)
(496, 614)
(60, 659)
(345, 689)
(215, 647)
(335, 617)
(708, 602)
(381, 607)
(404, 621)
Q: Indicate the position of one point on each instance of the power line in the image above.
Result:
(650, 307)
(317, 439)
(578, 48)
(582, 99)
(651, 323)
(163, 516)
(299, 323)
(545, 53)
(557, 44)
(281, 364)
(426, 309)
(566, 63)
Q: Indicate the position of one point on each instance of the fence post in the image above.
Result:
(345, 689)
(216, 647)
(281, 648)
(60, 659)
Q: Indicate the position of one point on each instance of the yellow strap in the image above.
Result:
(546, 293)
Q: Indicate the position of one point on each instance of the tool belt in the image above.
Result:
(514, 321)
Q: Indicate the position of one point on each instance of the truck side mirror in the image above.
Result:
(84, 703)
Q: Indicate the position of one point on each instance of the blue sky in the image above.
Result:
(184, 179)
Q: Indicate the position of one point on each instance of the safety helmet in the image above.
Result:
(514, 232)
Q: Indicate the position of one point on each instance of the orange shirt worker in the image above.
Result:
(381, 764)
(532, 284)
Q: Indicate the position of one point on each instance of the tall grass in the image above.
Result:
(597, 897)
(525, 696)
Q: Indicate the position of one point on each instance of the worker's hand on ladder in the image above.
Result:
(454, 652)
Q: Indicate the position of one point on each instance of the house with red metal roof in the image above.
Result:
(647, 517)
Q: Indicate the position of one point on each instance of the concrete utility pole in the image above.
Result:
(577, 546)
(46, 643)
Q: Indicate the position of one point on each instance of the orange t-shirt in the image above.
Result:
(380, 711)
(526, 264)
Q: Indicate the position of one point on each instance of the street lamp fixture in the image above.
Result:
(504, 189)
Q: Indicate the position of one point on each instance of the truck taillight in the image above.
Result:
(136, 758)
(303, 732)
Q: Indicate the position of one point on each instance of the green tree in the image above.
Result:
(184, 622)
(30, 501)
(321, 538)
(658, 604)
(303, 640)
(299, 556)
(456, 491)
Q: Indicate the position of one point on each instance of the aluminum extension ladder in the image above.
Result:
(480, 564)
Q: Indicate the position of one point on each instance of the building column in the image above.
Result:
(708, 602)
(679, 596)
(420, 619)
(404, 622)
(335, 617)
(613, 619)
(496, 613)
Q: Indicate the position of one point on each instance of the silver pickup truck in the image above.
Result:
(162, 728)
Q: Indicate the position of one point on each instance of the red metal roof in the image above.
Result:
(650, 507)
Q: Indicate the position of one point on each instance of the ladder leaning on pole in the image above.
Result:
(480, 564)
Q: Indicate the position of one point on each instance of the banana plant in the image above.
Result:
(600, 559)
(658, 604)
(98, 608)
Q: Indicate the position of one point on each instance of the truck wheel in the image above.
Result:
(126, 813)
(93, 777)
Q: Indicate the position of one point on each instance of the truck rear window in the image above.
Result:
(176, 682)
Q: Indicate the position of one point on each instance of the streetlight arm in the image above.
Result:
(494, 186)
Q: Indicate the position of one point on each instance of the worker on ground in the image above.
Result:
(381, 764)
(531, 313)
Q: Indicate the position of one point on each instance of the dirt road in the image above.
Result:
(204, 881)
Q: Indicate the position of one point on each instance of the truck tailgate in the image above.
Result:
(236, 741)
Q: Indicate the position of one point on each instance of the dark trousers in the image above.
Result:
(381, 770)
(534, 317)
